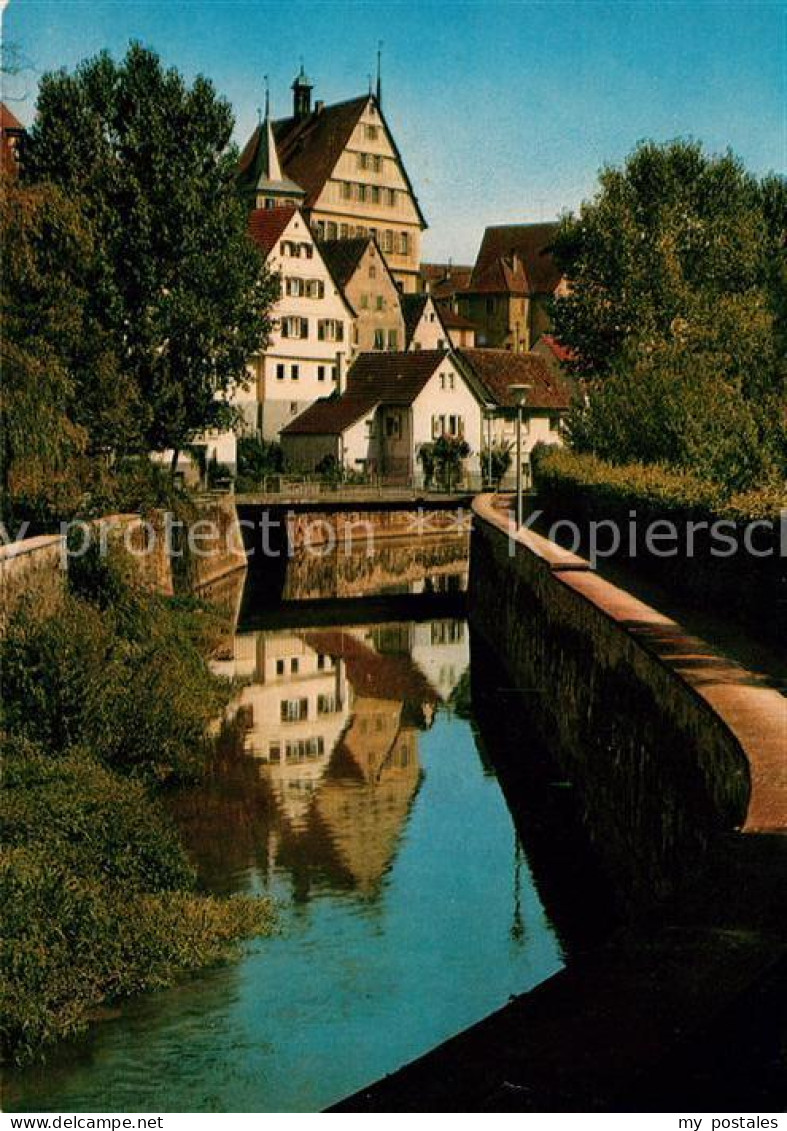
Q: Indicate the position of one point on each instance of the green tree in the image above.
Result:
(176, 285)
(676, 312)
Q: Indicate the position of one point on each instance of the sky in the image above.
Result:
(503, 110)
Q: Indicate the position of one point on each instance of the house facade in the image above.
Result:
(424, 329)
(513, 281)
(393, 405)
(311, 340)
(354, 181)
(360, 269)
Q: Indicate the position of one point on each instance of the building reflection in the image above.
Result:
(319, 756)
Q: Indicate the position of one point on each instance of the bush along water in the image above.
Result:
(104, 703)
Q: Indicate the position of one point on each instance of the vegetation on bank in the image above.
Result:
(563, 474)
(676, 314)
(106, 699)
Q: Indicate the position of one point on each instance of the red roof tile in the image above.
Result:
(498, 370)
(513, 259)
(309, 148)
(9, 120)
(394, 378)
(267, 225)
(561, 352)
(330, 416)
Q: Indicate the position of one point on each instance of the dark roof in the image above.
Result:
(330, 416)
(452, 320)
(443, 280)
(309, 148)
(394, 378)
(513, 258)
(267, 225)
(412, 312)
(254, 167)
(498, 370)
(343, 256)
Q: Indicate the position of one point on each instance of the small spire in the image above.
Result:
(267, 98)
(380, 73)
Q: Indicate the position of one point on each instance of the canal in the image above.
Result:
(353, 784)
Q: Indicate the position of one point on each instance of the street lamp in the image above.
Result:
(519, 393)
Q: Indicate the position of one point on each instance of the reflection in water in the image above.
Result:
(348, 786)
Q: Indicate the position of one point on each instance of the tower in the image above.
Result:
(301, 96)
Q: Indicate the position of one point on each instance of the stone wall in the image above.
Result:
(33, 567)
(668, 744)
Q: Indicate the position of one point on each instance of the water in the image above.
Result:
(348, 787)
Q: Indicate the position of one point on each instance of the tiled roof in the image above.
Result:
(258, 167)
(9, 120)
(412, 312)
(443, 280)
(309, 148)
(330, 416)
(561, 352)
(513, 259)
(267, 225)
(394, 378)
(451, 320)
(498, 370)
(343, 256)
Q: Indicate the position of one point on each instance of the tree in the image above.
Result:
(176, 286)
(676, 313)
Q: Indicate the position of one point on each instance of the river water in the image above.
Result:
(351, 785)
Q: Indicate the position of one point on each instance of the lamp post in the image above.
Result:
(519, 393)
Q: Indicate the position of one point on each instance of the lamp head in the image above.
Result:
(519, 393)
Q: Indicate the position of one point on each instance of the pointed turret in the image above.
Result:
(260, 176)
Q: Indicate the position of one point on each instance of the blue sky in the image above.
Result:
(504, 110)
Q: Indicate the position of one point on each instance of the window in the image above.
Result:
(404, 243)
(274, 752)
(392, 198)
(319, 230)
(280, 667)
(320, 372)
(294, 710)
(330, 230)
(370, 428)
(364, 302)
(441, 346)
(362, 192)
(330, 330)
(320, 661)
(371, 133)
(307, 251)
(438, 427)
(347, 190)
(344, 231)
(279, 372)
(372, 271)
(380, 302)
(393, 339)
(295, 372)
(293, 408)
(377, 162)
(361, 160)
(294, 327)
(379, 339)
(392, 427)
(326, 704)
(388, 239)
(375, 190)
(294, 667)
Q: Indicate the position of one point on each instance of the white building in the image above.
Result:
(311, 341)
(393, 405)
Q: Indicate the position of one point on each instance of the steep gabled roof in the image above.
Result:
(343, 256)
(267, 226)
(310, 147)
(443, 280)
(498, 370)
(259, 167)
(330, 416)
(513, 258)
(395, 378)
(413, 307)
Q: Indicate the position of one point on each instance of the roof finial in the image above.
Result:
(369, 76)
(267, 98)
(379, 73)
